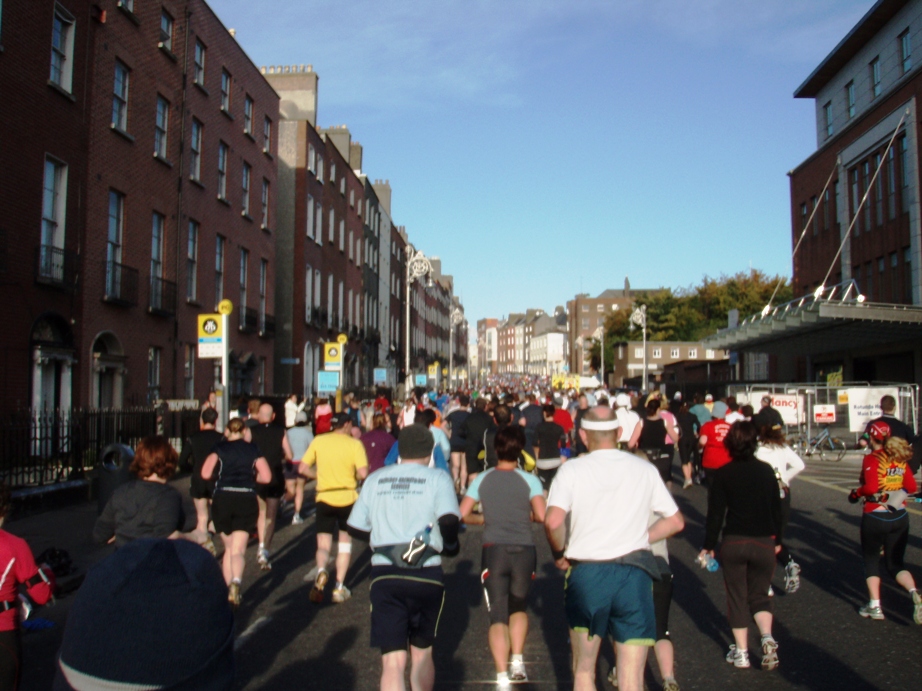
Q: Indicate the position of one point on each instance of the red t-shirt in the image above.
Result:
(562, 418)
(17, 565)
(882, 474)
(715, 454)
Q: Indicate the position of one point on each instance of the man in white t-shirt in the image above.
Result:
(627, 420)
(609, 585)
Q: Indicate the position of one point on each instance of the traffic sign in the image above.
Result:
(342, 339)
(824, 414)
(327, 382)
(421, 380)
(225, 307)
(332, 357)
(210, 336)
(380, 375)
(434, 371)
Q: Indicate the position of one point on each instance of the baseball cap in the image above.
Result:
(879, 431)
(622, 400)
(678, 396)
(708, 397)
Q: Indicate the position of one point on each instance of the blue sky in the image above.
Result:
(544, 148)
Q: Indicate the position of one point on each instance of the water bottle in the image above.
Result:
(417, 546)
(708, 562)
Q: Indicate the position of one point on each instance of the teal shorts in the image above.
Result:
(609, 599)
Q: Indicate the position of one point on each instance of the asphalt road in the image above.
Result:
(286, 642)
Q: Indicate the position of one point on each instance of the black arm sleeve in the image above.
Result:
(185, 456)
(363, 535)
(448, 526)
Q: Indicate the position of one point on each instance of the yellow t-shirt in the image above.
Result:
(337, 457)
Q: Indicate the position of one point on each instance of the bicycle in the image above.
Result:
(827, 447)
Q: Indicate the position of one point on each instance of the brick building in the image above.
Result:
(487, 348)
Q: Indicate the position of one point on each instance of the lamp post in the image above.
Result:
(457, 316)
(600, 334)
(417, 266)
(639, 317)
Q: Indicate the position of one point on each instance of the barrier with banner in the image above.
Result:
(864, 405)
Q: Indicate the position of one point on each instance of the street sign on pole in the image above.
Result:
(210, 336)
(327, 382)
(332, 357)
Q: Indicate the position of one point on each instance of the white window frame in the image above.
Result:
(657, 353)
(61, 72)
(223, 150)
(638, 353)
(245, 180)
(332, 228)
(192, 261)
(195, 150)
(225, 90)
(905, 39)
(310, 217)
(158, 228)
(248, 115)
(308, 293)
(220, 250)
(874, 68)
(674, 353)
(827, 119)
(120, 92)
(198, 73)
(166, 30)
(54, 203)
(161, 127)
(850, 99)
(267, 135)
(264, 200)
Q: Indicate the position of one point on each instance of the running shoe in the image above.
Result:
(233, 594)
(296, 519)
(316, 594)
(771, 591)
(769, 653)
(687, 484)
(869, 612)
(738, 658)
(517, 671)
(341, 594)
(503, 683)
(791, 577)
(262, 558)
(670, 684)
(917, 606)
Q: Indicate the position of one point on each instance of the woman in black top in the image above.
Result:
(234, 508)
(744, 499)
(650, 437)
(688, 443)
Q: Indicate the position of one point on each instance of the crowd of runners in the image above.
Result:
(406, 477)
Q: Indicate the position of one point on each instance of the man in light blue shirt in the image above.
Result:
(397, 504)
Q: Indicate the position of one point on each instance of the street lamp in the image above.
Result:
(457, 316)
(639, 317)
(600, 334)
(417, 266)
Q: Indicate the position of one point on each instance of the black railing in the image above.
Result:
(55, 266)
(267, 327)
(162, 297)
(121, 284)
(249, 319)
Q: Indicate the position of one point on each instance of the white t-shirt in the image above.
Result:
(783, 459)
(609, 495)
(628, 420)
(734, 416)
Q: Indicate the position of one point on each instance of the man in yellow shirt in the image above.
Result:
(337, 461)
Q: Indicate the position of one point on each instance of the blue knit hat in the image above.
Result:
(153, 615)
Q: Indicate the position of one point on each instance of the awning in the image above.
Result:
(814, 327)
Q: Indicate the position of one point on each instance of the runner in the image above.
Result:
(234, 508)
(323, 412)
(627, 420)
(688, 444)
(767, 415)
(401, 509)
(273, 446)
(17, 566)
(650, 437)
(745, 493)
(299, 438)
(511, 499)
(549, 440)
(885, 480)
(477, 423)
(198, 446)
(773, 449)
(714, 454)
(377, 442)
(338, 462)
(457, 440)
(609, 585)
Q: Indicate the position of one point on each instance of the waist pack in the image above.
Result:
(396, 553)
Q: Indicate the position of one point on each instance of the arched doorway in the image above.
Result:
(108, 376)
(52, 347)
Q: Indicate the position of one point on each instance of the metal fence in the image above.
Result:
(44, 448)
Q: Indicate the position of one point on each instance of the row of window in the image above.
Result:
(598, 308)
(340, 301)
(872, 81)
(882, 281)
(314, 231)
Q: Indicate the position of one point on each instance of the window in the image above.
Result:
(161, 127)
(332, 172)
(188, 370)
(692, 353)
(120, 97)
(311, 159)
(803, 216)
(891, 183)
(905, 51)
(600, 308)
(54, 197)
(352, 200)
(865, 188)
(907, 276)
(638, 353)
(248, 116)
(116, 221)
(192, 262)
(62, 49)
(310, 216)
(850, 98)
(826, 210)
(244, 258)
(195, 158)
(308, 294)
(198, 73)
(856, 196)
(585, 308)
(331, 232)
(878, 192)
(904, 172)
(874, 69)
(222, 171)
(657, 353)
(813, 203)
(674, 353)
(869, 278)
(709, 354)
(342, 235)
(265, 204)
(318, 223)
(351, 250)
(342, 185)
(225, 90)
(166, 30)
(584, 323)
(827, 118)
(153, 374)
(263, 284)
(894, 277)
(246, 189)
(156, 247)
(319, 169)
(267, 136)
(219, 269)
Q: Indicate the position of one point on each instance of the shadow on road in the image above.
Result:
(326, 670)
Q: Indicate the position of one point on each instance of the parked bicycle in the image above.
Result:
(824, 445)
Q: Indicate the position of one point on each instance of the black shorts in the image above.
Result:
(275, 489)
(233, 511)
(329, 516)
(474, 464)
(199, 488)
(507, 573)
(547, 475)
(405, 607)
(662, 459)
(460, 447)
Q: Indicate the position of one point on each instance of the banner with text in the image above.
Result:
(864, 405)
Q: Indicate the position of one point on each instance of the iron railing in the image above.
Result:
(121, 284)
(267, 327)
(55, 266)
(162, 297)
(249, 319)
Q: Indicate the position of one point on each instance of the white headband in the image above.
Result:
(600, 425)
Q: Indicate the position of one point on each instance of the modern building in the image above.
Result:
(628, 366)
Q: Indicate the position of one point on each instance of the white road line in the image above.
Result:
(829, 485)
(250, 630)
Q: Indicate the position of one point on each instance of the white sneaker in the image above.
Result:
(517, 671)
(791, 577)
(262, 558)
(341, 594)
(738, 658)
(296, 519)
(503, 683)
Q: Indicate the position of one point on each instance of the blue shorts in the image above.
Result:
(605, 598)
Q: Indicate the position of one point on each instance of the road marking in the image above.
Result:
(250, 630)
(829, 485)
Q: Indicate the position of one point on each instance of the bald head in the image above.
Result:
(266, 413)
(593, 439)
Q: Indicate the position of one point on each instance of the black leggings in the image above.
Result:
(687, 449)
(662, 599)
(887, 530)
(784, 556)
(748, 564)
(10, 659)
